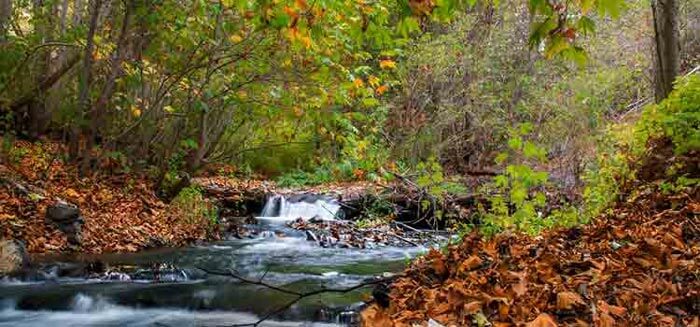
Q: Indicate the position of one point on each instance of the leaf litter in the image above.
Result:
(637, 265)
(121, 211)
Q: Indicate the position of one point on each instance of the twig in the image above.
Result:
(403, 239)
(406, 226)
(297, 295)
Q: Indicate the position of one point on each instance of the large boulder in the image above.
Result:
(13, 257)
(67, 218)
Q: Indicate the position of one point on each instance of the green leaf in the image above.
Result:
(586, 25)
(515, 143)
(555, 46)
(280, 20)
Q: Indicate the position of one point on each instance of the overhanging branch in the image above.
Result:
(297, 295)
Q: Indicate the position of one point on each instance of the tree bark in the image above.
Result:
(97, 112)
(85, 81)
(5, 17)
(667, 45)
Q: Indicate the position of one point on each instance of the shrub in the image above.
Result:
(190, 207)
(627, 152)
(518, 201)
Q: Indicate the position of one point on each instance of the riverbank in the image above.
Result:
(119, 212)
(50, 208)
(637, 265)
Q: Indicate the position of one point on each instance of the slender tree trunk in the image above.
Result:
(85, 81)
(63, 16)
(5, 17)
(77, 12)
(97, 111)
(667, 45)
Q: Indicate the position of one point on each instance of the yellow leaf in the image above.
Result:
(292, 33)
(71, 193)
(300, 3)
(135, 111)
(235, 38)
(387, 64)
(169, 109)
(306, 41)
(373, 81)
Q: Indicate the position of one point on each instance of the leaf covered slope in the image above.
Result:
(635, 266)
(121, 212)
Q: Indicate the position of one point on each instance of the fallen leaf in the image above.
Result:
(568, 300)
(543, 320)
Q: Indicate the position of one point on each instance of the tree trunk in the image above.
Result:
(667, 44)
(97, 111)
(5, 17)
(85, 81)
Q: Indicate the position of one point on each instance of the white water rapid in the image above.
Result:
(305, 206)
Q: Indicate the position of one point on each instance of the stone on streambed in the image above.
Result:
(310, 236)
(13, 257)
(346, 234)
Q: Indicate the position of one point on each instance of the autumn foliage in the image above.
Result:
(635, 266)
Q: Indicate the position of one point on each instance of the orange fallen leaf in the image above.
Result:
(615, 310)
(543, 320)
(567, 300)
(473, 307)
(470, 264)
(375, 316)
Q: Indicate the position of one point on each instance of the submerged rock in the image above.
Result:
(310, 236)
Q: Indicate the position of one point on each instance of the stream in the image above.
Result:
(164, 287)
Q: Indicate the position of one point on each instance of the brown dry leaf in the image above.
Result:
(543, 320)
(4, 216)
(440, 309)
(615, 310)
(502, 324)
(374, 316)
(470, 264)
(438, 262)
(604, 320)
(568, 300)
(521, 287)
(472, 307)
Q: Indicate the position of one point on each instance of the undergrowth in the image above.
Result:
(627, 150)
(191, 207)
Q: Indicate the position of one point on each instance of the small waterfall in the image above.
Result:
(305, 206)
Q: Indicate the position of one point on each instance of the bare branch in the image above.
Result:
(297, 295)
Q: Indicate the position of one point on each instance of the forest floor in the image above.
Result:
(637, 265)
(121, 212)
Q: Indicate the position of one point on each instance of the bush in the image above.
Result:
(191, 207)
(629, 152)
(518, 201)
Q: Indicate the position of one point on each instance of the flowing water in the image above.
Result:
(306, 206)
(164, 287)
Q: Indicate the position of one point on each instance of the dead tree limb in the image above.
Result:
(298, 296)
